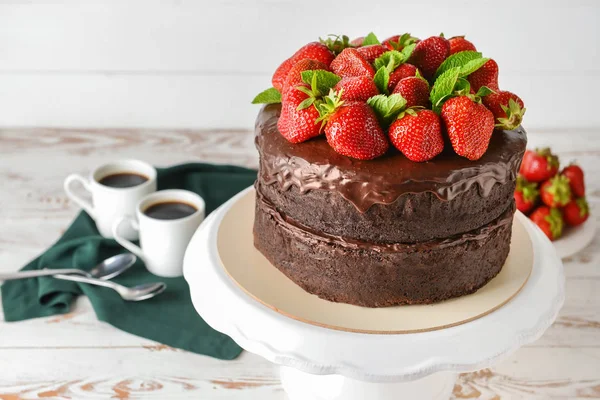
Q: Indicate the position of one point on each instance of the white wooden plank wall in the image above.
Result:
(199, 63)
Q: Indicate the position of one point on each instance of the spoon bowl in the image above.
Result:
(113, 266)
(143, 292)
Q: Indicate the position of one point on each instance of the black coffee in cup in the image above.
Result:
(170, 210)
(123, 180)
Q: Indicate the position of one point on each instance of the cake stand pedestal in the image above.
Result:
(318, 363)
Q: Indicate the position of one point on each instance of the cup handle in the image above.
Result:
(124, 242)
(86, 205)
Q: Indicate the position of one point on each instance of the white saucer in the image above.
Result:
(575, 239)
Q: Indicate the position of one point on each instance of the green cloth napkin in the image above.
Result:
(169, 318)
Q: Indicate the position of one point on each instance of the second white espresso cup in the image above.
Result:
(109, 203)
(164, 234)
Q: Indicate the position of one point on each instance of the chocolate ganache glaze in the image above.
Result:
(389, 199)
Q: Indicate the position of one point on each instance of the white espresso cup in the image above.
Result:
(109, 204)
(163, 237)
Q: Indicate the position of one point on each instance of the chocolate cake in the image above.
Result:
(353, 219)
(386, 231)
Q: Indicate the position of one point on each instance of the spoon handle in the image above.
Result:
(85, 279)
(40, 272)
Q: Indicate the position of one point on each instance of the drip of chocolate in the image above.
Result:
(314, 165)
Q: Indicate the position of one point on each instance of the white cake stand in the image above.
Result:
(318, 363)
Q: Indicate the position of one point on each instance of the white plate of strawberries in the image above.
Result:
(554, 200)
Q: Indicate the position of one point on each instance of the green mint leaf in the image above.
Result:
(370, 39)
(269, 96)
(443, 88)
(387, 108)
(324, 80)
(456, 60)
(407, 51)
(391, 59)
(472, 66)
(382, 79)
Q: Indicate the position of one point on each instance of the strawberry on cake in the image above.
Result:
(387, 169)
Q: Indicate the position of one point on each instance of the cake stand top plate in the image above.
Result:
(370, 357)
(255, 275)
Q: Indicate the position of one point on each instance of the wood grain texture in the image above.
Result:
(75, 356)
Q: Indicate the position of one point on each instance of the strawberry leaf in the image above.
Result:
(370, 39)
(390, 59)
(387, 108)
(443, 88)
(457, 60)
(269, 96)
(484, 91)
(462, 87)
(306, 103)
(321, 81)
(472, 66)
(382, 79)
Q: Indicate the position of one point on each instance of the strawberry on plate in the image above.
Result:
(469, 125)
(356, 88)
(575, 175)
(415, 90)
(576, 212)
(539, 165)
(401, 72)
(507, 107)
(314, 51)
(298, 122)
(352, 129)
(350, 63)
(429, 55)
(549, 220)
(556, 192)
(487, 75)
(418, 135)
(459, 43)
(526, 195)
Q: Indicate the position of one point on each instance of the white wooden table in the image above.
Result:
(75, 356)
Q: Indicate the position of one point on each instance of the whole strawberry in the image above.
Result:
(298, 124)
(314, 51)
(556, 191)
(418, 135)
(403, 71)
(539, 165)
(576, 212)
(469, 125)
(549, 220)
(459, 43)
(352, 129)
(358, 41)
(415, 90)
(429, 55)
(370, 53)
(356, 88)
(294, 77)
(575, 175)
(526, 195)
(507, 107)
(487, 75)
(350, 63)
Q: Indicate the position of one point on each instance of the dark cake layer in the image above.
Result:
(390, 199)
(378, 275)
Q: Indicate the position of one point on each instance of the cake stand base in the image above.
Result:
(323, 363)
(302, 386)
